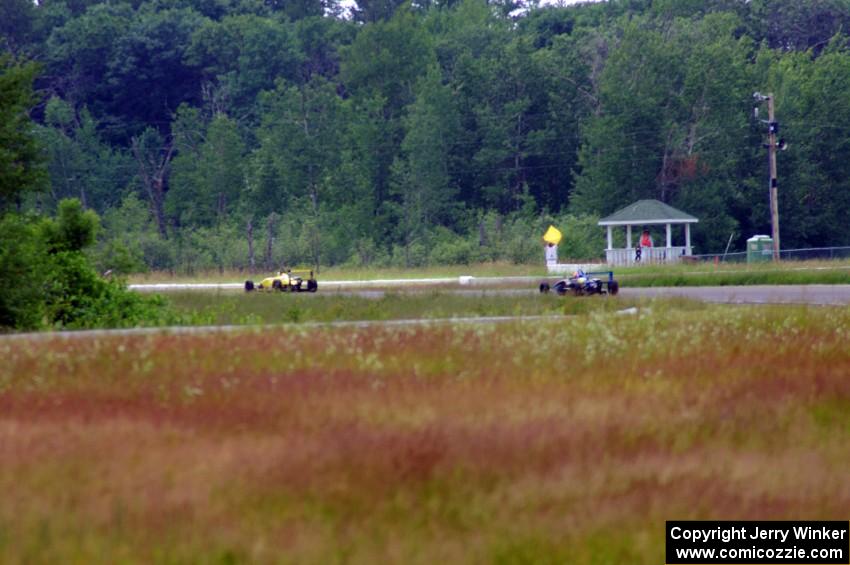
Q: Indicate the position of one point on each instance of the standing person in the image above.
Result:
(552, 237)
(551, 254)
(645, 241)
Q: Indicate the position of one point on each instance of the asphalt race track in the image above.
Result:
(816, 294)
(825, 295)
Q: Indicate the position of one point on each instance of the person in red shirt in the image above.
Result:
(645, 241)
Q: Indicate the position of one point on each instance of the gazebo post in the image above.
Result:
(669, 239)
(629, 236)
(610, 239)
(688, 238)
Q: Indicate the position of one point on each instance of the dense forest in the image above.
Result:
(251, 133)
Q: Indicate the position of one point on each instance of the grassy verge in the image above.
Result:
(557, 441)
(210, 308)
(811, 272)
(701, 274)
(356, 274)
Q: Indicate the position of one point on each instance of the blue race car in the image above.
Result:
(583, 284)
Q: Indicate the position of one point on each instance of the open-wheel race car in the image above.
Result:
(582, 284)
(286, 281)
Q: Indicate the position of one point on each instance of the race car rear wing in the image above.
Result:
(609, 273)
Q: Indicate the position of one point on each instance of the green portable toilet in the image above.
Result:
(759, 249)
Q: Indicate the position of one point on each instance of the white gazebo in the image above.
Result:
(646, 213)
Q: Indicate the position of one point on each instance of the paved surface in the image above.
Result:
(756, 294)
(819, 294)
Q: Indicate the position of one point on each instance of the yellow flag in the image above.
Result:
(552, 235)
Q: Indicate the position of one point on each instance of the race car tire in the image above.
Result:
(312, 286)
(561, 288)
(544, 288)
(277, 285)
(613, 288)
(249, 286)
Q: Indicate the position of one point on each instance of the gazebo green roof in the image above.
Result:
(645, 212)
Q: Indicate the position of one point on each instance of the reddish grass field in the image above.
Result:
(564, 441)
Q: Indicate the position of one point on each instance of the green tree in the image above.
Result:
(80, 163)
(789, 25)
(73, 229)
(21, 162)
(22, 304)
(369, 145)
(79, 52)
(301, 138)
(672, 124)
(432, 126)
(74, 295)
(509, 108)
(153, 157)
(128, 67)
(21, 172)
(381, 68)
(425, 121)
(422, 181)
(245, 54)
(370, 11)
(814, 118)
(491, 100)
(387, 59)
(150, 58)
(566, 69)
(47, 280)
(130, 243)
(207, 177)
(320, 39)
(17, 19)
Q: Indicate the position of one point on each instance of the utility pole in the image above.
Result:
(772, 130)
(772, 147)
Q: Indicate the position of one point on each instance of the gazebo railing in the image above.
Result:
(648, 255)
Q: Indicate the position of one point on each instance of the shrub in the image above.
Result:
(74, 228)
(22, 303)
(414, 255)
(47, 279)
(583, 238)
(366, 253)
(452, 249)
(158, 254)
(119, 258)
(131, 244)
(76, 297)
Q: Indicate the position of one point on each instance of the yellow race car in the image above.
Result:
(285, 281)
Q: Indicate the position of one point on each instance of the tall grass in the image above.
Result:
(569, 440)
(337, 273)
(792, 272)
(212, 308)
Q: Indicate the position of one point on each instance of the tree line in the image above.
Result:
(250, 133)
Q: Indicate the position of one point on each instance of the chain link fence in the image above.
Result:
(806, 254)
